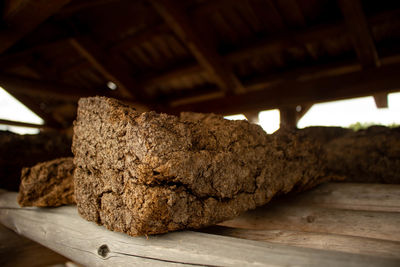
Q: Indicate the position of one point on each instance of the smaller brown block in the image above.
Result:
(48, 184)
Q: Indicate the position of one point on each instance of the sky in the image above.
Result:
(338, 113)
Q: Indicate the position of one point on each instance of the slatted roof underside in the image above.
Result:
(211, 56)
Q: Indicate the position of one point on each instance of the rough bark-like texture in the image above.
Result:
(324, 134)
(371, 155)
(152, 173)
(48, 184)
(18, 151)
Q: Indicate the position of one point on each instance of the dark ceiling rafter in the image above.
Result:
(360, 33)
(362, 39)
(205, 54)
(268, 45)
(20, 22)
(25, 19)
(293, 92)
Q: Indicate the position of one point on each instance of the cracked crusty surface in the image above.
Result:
(371, 155)
(149, 173)
(47, 184)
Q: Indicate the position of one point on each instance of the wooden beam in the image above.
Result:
(197, 43)
(106, 65)
(381, 100)
(304, 108)
(271, 44)
(360, 33)
(252, 116)
(362, 83)
(288, 118)
(23, 124)
(25, 19)
(138, 38)
(21, 85)
(64, 231)
(37, 108)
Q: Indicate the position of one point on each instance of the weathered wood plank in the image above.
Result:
(65, 232)
(343, 243)
(17, 251)
(352, 196)
(290, 216)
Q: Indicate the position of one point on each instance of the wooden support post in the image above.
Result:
(381, 100)
(176, 17)
(252, 116)
(304, 108)
(288, 117)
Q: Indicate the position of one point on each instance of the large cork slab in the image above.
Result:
(149, 173)
(48, 184)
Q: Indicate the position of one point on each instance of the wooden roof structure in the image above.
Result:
(221, 56)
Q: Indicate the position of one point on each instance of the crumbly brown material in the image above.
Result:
(48, 184)
(18, 151)
(371, 155)
(149, 173)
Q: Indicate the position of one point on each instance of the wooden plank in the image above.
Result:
(197, 43)
(89, 244)
(360, 33)
(343, 243)
(362, 83)
(25, 19)
(381, 100)
(353, 196)
(17, 251)
(293, 217)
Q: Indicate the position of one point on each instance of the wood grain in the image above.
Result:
(65, 232)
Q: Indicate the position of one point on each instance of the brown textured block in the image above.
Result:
(18, 151)
(371, 155)
(152, 173)
(48, 184)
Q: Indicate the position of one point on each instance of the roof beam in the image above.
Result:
(110, 67)
(16, 84)
(23, 124)
(206, 55)
(271, 45)
(360, 33)
(25, 19)
(292, 92)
